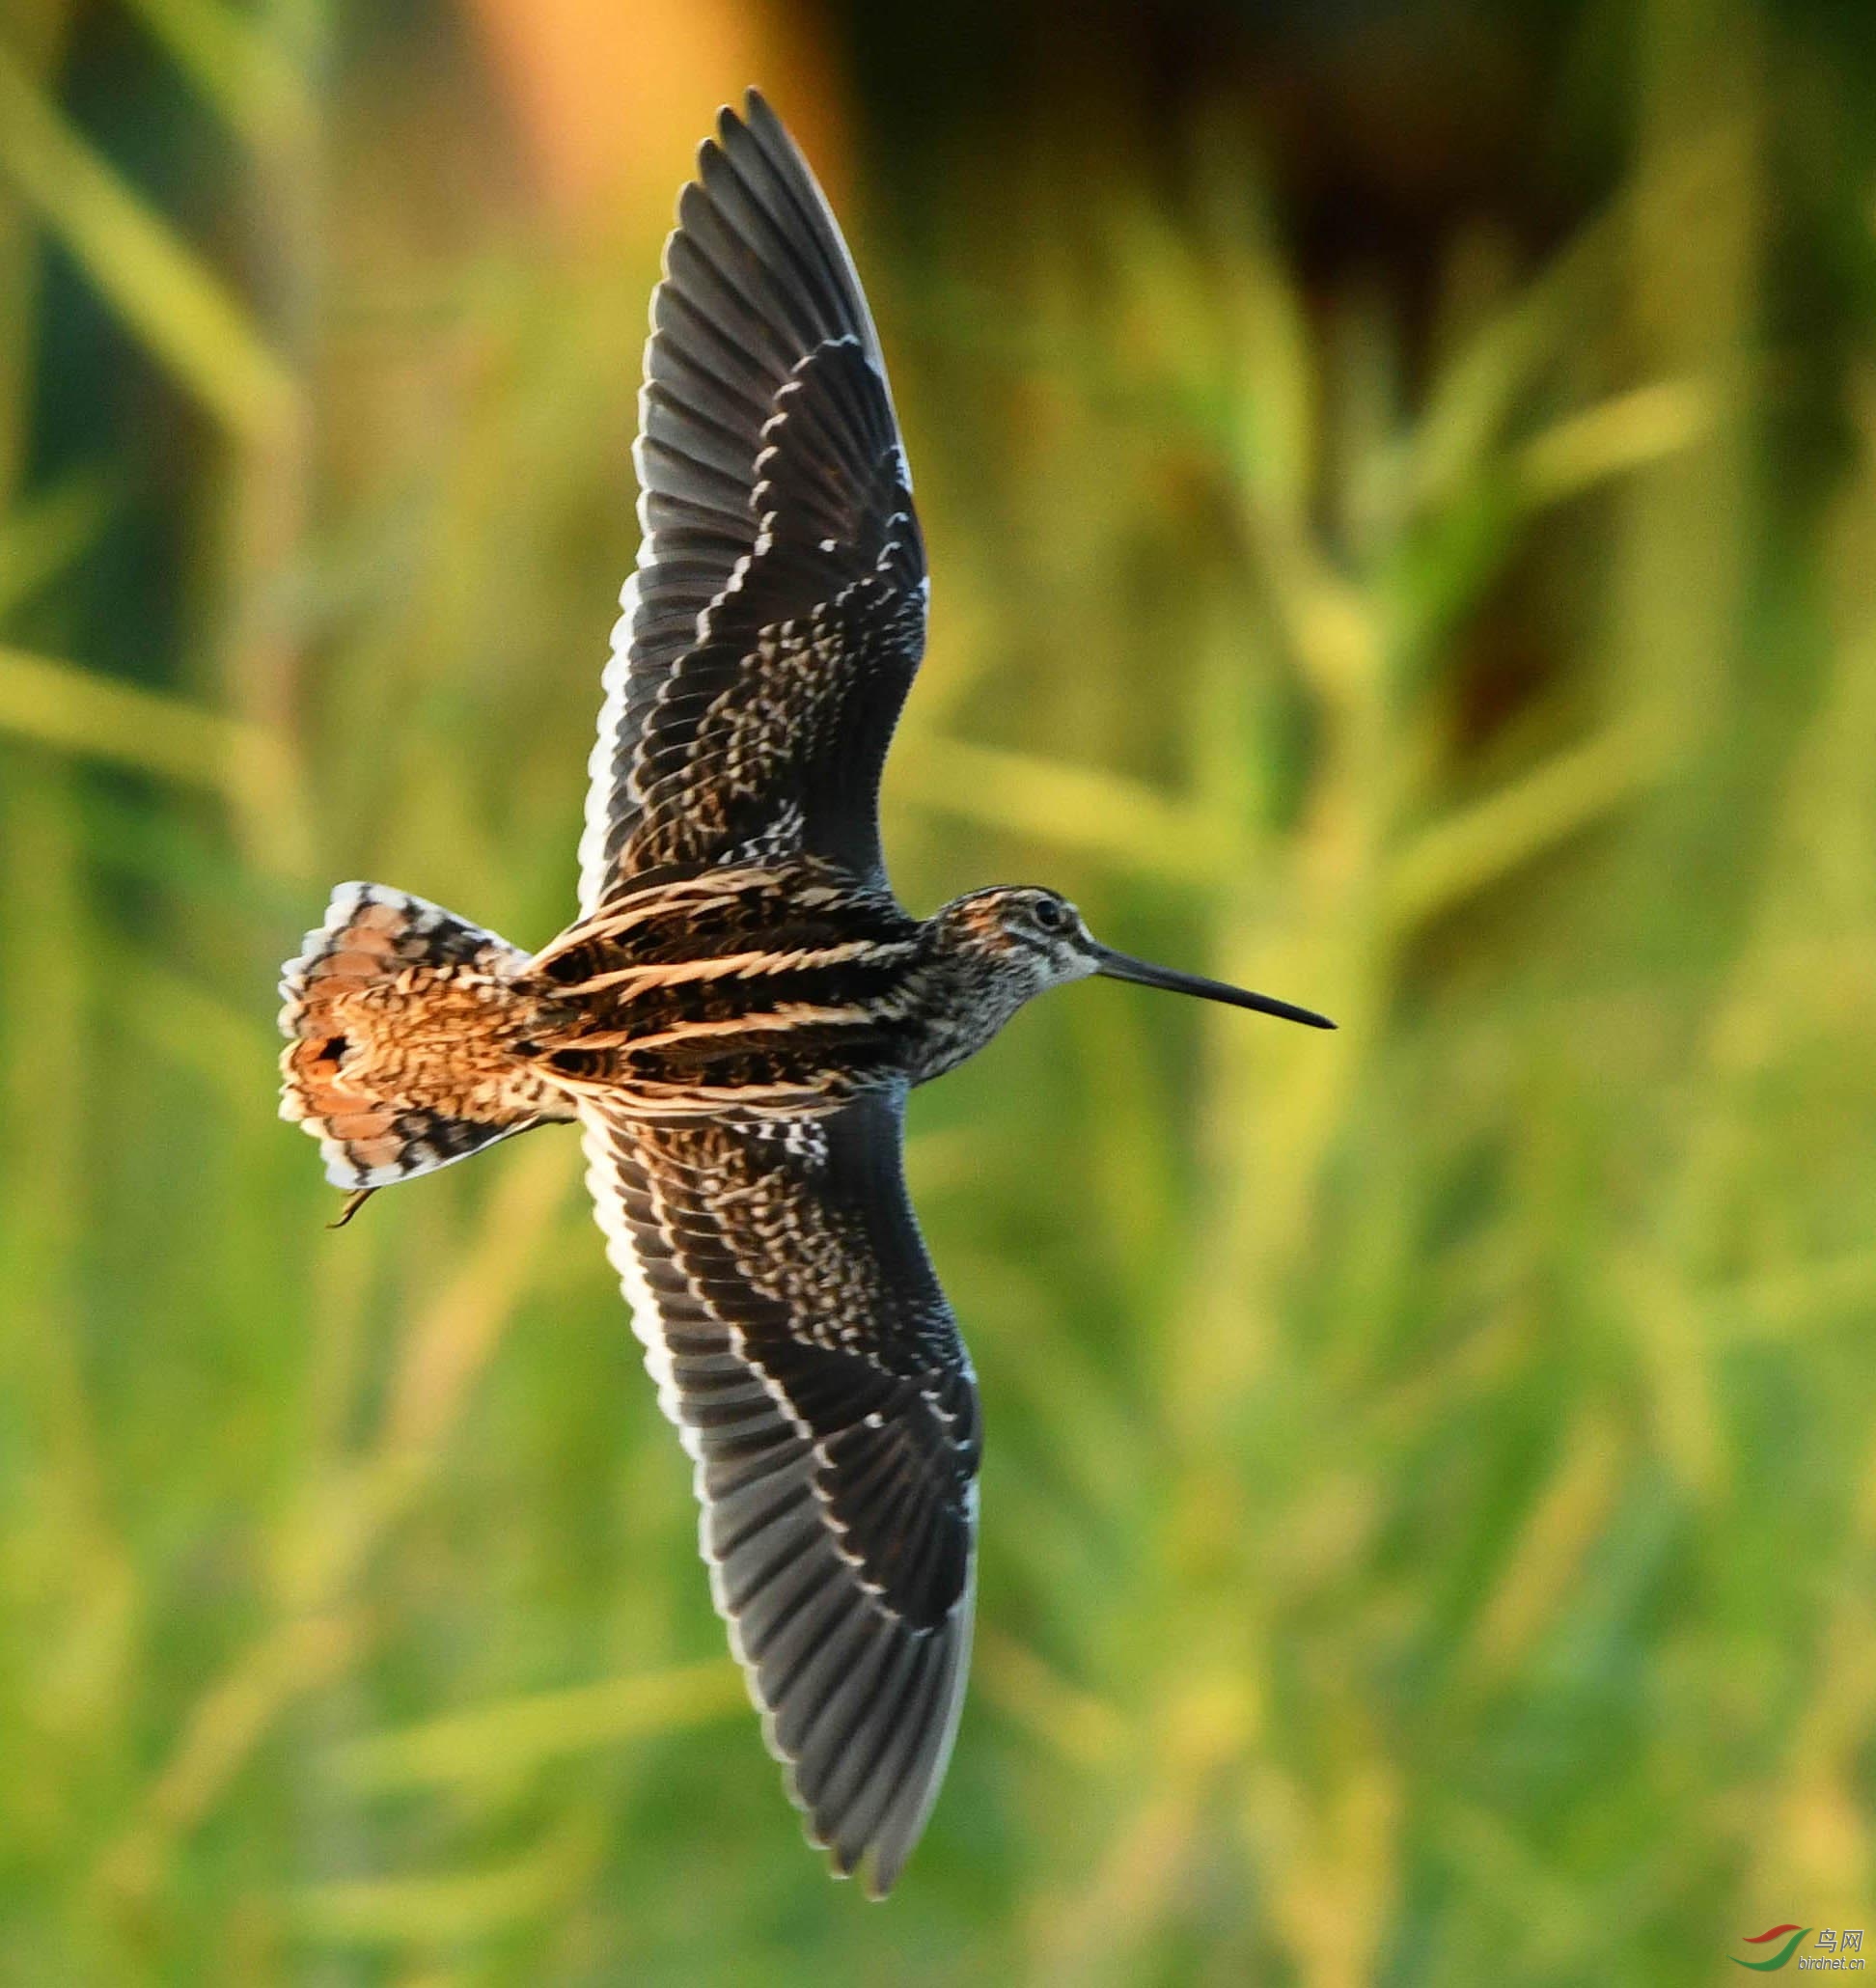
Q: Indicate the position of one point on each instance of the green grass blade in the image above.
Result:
(56, 703)
(162, 288)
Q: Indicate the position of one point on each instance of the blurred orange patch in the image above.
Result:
(611, 96)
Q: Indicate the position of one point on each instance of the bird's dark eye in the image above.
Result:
(1050, 915)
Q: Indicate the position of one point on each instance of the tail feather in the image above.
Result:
(372, 936)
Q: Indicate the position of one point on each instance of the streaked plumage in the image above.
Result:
(738, 1012)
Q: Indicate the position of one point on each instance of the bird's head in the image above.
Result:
(1032, 939)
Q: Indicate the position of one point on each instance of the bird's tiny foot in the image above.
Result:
(354, 1201)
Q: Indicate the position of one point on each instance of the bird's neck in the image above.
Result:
(966, 996)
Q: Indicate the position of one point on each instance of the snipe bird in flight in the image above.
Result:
(740, 1009)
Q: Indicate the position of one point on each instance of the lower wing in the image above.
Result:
(803, 1349)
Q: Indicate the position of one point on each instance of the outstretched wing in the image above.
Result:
(803, 1349)
(778, 613)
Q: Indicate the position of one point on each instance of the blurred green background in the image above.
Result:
(1401, 491)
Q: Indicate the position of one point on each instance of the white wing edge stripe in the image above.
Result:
(617, 674)
(609, 1211)
(609, 1208)
(600, 781)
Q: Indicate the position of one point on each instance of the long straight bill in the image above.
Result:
(1120, 966)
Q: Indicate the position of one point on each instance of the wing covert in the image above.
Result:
(777, 615)
(803, 1349)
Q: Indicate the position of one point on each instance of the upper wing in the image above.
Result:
(803, 1349)
(777, 615)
